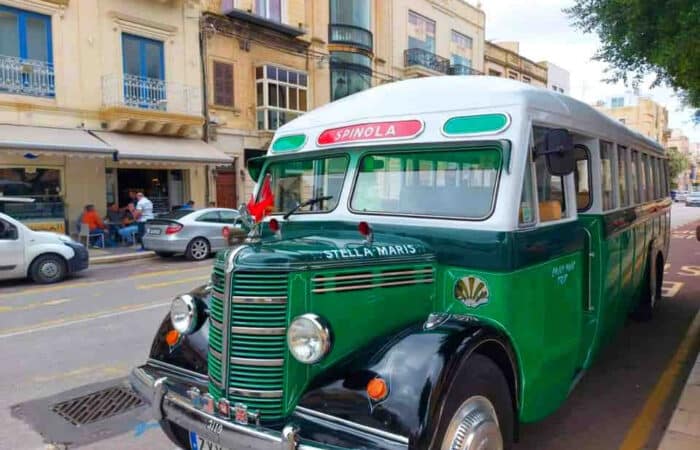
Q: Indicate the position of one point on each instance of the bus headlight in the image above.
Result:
(309, 338)
(184, 314)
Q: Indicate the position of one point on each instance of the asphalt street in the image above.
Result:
(98, 325)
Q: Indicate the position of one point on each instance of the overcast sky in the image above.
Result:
(545, 33)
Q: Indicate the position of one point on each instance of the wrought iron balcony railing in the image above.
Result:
(149, 93)
(461, 69)
(350, 35)
(26, 77)
(420, 57)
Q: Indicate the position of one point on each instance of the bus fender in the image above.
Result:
(190, 352)
(418, 365)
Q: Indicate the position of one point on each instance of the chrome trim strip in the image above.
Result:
(276, 331)
(278, 362)
(216, 324)
(216, 382)
(263, 300)
(215, 353)
(199, 377)
(217, 295)
(226, 329)
(371, 275)
(357, 426)
(255, 393)
(369, 286)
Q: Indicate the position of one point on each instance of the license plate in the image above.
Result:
(199, 443)
(155, 231)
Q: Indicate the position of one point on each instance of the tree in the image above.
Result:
(677, 163)
(639, 37)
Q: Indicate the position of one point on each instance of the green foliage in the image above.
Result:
(639, 37)
(677, 162)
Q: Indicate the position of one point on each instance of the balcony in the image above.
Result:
(26, 77)
(421, 62)
(461, 69)
(350, 35)
(146, 105)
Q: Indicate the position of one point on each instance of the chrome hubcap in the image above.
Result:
(474, 427)
(49, 269)
(199, 249)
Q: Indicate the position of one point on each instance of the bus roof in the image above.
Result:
(445, 95)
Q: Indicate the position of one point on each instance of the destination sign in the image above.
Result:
(400, 129)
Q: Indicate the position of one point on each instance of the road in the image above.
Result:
(96, 326)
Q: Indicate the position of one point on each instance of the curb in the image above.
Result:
(683, 431)
(123, 257)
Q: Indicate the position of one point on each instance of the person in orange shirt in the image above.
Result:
(93, 220)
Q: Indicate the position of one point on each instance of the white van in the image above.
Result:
(45, 257)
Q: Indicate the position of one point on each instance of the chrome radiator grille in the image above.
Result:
(256, 331)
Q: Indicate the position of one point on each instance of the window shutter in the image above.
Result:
(223, 84)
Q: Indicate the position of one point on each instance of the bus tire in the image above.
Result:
(477, 406)
(178, 435)
(651, 290)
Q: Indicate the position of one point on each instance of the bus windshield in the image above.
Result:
(297, 181)
(459, 183)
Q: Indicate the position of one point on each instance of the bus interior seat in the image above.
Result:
(550, 210)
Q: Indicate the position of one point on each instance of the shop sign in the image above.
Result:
(57, 226)
(377, 131)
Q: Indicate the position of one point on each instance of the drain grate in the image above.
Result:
(97, 405)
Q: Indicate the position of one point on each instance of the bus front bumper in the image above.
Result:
(167, 393)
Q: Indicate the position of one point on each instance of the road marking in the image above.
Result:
(59, 287)
(171, 283)
(106, 370)
(671, 288)
(638, 434)
(19, 331)
(60, 301)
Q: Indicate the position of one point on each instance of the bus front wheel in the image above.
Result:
(478, 410)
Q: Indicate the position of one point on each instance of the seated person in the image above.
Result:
(93, 220)
(188, 206)
(129, 228)
(114, 217)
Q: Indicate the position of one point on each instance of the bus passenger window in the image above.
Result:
(643, 178)
(621, 174)
(657, 179)
(582, 178)
(526, 213)
(633, 186)
(550, 192)
(606, 175)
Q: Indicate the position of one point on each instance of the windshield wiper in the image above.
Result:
(309, 202)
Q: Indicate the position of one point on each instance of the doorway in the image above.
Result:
(226, 189)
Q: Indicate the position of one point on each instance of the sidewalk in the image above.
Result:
(117, 254)
(683, 431)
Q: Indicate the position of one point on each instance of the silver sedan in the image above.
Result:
(196, 233)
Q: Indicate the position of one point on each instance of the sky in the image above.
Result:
(545, 33)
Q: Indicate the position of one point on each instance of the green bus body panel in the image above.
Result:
(559, 292)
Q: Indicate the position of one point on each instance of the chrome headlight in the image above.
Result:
(309, 338)
(184, 314)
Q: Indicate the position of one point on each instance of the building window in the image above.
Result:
(26, 54)
(460, 49)
(495, 73)
(281, 96)
(42, 184)
(623, 121)
(421, 32)
(617, 102)
(350, 73)
(512, 75)
(526, 79)
(223, 84)
(351, 12)
(269, 9)
(227, 5)
(144, 72)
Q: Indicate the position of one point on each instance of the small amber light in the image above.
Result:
(171, 337)
(377, 389)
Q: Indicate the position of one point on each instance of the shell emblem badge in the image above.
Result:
(471, 291)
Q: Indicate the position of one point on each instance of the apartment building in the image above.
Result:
(503, 59)
(558, 78)
(639, 113)
(268, 61)
(98, 98)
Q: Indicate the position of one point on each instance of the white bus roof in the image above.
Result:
(448, 96)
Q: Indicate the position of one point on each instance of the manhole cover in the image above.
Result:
(97, 405)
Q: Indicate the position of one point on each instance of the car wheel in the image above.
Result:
(478, 411)
(48, 269)
(165, 254)
(178, 435)
(198, 249)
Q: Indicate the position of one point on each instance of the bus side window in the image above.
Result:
(633, 186)
(606, 175)
(582, 178)
(526, 213)
(550, 192)
(643, 178)
(622, 174)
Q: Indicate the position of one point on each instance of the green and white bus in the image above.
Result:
(444, 260)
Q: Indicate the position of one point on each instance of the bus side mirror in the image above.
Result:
(559, 151)
(255, 167)
(697, 233)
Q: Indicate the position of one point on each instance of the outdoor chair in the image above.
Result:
(85, 234)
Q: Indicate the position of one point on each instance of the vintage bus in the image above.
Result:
(444, 259)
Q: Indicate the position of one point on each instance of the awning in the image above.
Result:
(166, 149)
(20, 138)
